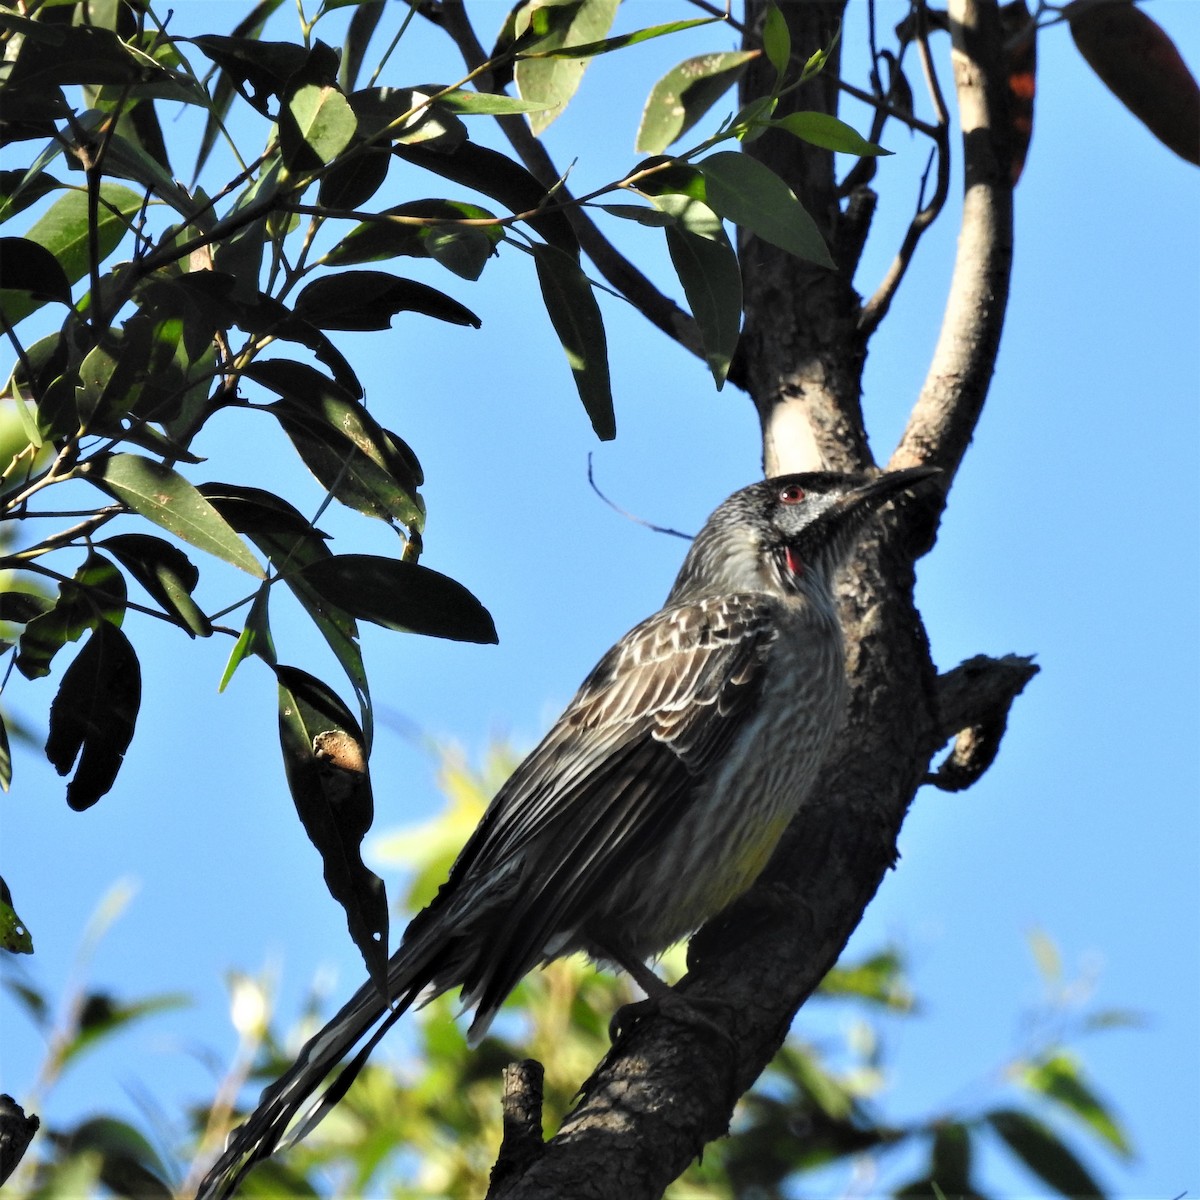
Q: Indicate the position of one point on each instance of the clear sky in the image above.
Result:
(1071, 534)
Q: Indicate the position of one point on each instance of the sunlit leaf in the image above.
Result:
(558, 24)
(777, 40)
(685, 93)
(315, 126)
(824, 130)
(166, 498)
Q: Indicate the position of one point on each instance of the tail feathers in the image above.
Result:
(265, 1129)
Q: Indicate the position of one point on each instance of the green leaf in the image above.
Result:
(496, 175)
(401, 595)
(609, 44)
(315, 125)
(710, 275)
(255, 638)
(777, 40)
(96, 594)
(326, 766)
(751, 195)
(14, 936)
(369, 300)
(471, 104)
(128, 1163)
(375, 240)
(685, 93)
(879, 979)
(822, 129)
(1060, 1078)
(950, 1168)
(166, 498)
(1044, 1153)
(352, 456)
(101, 1016)
(63, 230)
(638, 213)
(166, 573)
(576, 318)
(559, 24)
(1047, 957)
(92, 717)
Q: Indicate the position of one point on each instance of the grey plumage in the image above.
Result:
(654, 800)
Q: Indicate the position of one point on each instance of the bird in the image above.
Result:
(653, 801)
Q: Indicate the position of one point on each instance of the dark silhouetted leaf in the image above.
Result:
(751, 195)
(20, 189)
(1140, 65)
(26, 266)
(258, 69)
(369, 300)
(708, 269)
(951, 1159)
(351, 455)
(496, 175)
(1044, 1153)
(165, 572)
(93, 715)
(95, 594)
(166, 498)
(553, 81)
(358, 36)
(576, 318)
(423, 231)
(291, 544)
(326, 766)
(685, 93)
(401, 595)
(351, 182)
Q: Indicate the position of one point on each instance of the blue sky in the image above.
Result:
(1071, 534)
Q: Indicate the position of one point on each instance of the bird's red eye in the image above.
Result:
(792, 494)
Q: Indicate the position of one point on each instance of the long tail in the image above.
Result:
(265, 1129)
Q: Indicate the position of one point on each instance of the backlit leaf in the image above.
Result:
(1044, 1153)
(685, 93)
(822, 129)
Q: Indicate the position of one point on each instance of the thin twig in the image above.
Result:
(876, 308)
(625, 512)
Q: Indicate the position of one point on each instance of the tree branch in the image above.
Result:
(974, 701)
(944, 418)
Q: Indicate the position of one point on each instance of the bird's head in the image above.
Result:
(787, 534)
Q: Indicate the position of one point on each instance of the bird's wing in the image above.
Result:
(610, 779)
